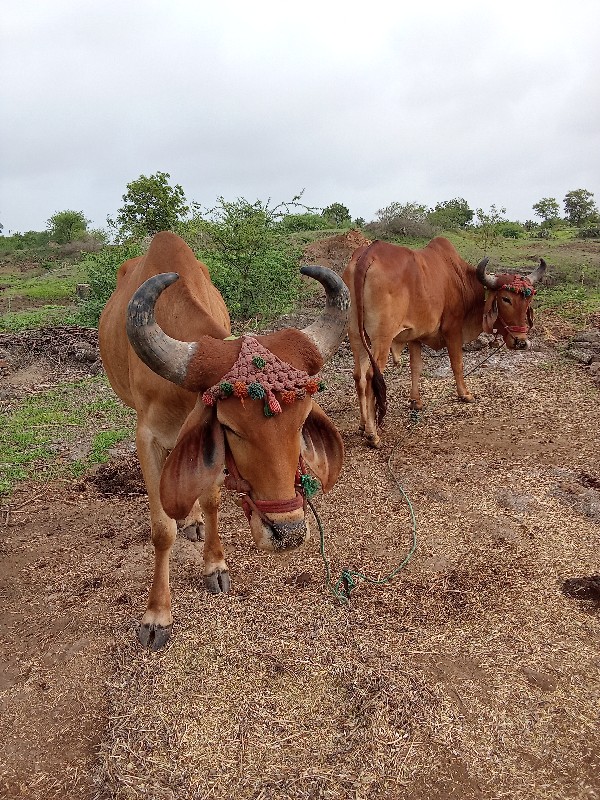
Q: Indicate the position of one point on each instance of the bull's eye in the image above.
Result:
(227, 429)
(506, 300)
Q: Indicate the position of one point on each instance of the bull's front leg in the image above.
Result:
(216, 571)
(455, 352)
(157, 623)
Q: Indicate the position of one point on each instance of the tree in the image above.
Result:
(338, 214)
(488, 225)
(451, 214)
(580, 207)
(548, 209)
(66, 226)
(151, 205)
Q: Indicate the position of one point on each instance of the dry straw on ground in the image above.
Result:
(469, 676)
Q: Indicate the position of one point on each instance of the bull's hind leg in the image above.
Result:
(397, 349)
(361, 366)
(157, 622)
(416, 370)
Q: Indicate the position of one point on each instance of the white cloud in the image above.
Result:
(363, 104)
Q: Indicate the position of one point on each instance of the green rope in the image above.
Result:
(350, 578)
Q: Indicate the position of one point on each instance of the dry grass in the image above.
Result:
(470, 675)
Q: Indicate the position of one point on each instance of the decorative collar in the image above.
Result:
(258, 374)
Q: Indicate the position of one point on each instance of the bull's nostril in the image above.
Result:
(286, 535)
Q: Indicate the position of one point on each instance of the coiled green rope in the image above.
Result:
(350, 578)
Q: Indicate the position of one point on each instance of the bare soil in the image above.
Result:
(469, 675)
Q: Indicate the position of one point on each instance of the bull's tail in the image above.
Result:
(378, 383)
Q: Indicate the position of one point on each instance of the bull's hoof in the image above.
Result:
(195, 532)
(153, 636)
(217, 582)
(373, 441)
(466, 398)
(415, 405)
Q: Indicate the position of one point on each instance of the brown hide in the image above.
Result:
(430, 296)
(185, 484)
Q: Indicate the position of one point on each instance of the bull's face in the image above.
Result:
(262, 457)
(266, 453)
(508, 305)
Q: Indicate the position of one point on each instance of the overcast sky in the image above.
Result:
(359, 103)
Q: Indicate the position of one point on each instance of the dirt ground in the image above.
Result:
(469, 675)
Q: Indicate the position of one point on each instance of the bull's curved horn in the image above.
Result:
(329, 330)
(489, 281)
(168, 357)
(537, 274)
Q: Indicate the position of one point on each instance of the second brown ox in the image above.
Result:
(430, 296)
(165, 347)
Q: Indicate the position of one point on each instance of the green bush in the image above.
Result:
(251, 260)
(294, 223)
(101, 269)
(510, 230)
(589, 233)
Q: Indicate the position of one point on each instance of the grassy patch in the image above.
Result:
(61, 432)
(29, 318)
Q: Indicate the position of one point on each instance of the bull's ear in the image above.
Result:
(195, 464)
(322, 447)
(530, 316)
(490, 313)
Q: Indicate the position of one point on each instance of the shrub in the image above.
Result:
(101, 269)
(302, 222)
(399, 227)
(251, 260)
(589, 233)
(510, 230)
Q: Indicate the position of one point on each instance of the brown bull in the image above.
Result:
(205, 401)
(429, 296)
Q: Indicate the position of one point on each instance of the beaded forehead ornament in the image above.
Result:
(258, 374)
(519, 285)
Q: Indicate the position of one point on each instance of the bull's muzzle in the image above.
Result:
(279, 532)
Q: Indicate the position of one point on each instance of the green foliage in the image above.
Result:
(66, 226)
(548, 209)
(487, 230)
(338, 214)
(510, 230)
(151, 205)
(101, 270)
(451, 214)
(250, 258)
(413, 212)
(590, 233)
(580, 207)
(24, 241)
(294, 223)
(37, 434)
(401, 220)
